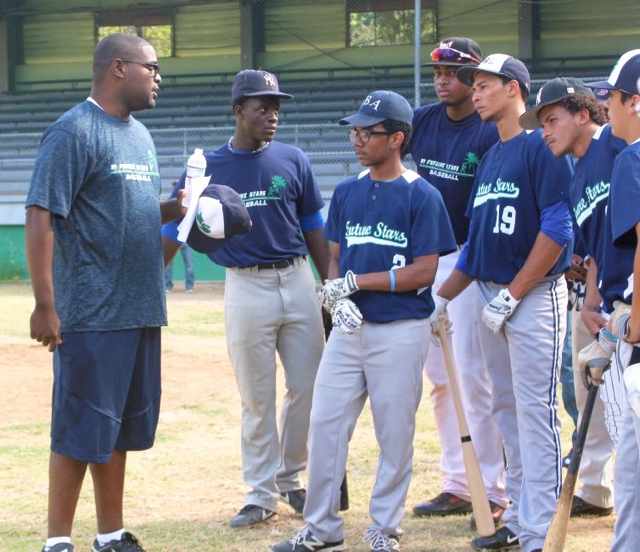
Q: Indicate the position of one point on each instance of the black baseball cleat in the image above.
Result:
(251, 515)
(496, 514)
(445, 504)
(126, 543)
(581, 508)
(305, 541)
(503, 539)
(295, 499)
(61, 547)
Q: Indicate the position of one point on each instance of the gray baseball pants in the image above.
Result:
(269, 311)
(523, 360)
(626, 531)
(383, 362)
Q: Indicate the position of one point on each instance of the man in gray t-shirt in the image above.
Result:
(95, 258)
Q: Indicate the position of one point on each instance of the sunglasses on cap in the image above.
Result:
(451, 55)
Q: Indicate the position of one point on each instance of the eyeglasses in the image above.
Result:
(365, 135)
(154, 68)
(451, 55)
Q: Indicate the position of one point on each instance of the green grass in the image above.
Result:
(181, 493)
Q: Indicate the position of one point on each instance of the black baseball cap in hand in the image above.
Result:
(456, 52)
(552, 92)
(252, 83)
(220, 214)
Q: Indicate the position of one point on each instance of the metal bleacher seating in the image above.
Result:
(190, 116)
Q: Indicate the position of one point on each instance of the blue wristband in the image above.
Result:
(392, 278)
(608, 334)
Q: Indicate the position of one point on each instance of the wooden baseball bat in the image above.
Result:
(479, 501)
(557, 534)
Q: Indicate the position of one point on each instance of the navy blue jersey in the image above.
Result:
(277, 187)
(515, 181)
(589, 203)
(590, 189)
(382, 225)
(447, 154)
(625, 215)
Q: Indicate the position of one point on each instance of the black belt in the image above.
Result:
(280, 264)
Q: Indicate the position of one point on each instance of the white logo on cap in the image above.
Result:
(446, 44)
(571, 90)
(539, 96)
(367, 101)
(270, 80)
(494, 61)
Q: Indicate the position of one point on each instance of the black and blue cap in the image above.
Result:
(220, 215)
(553, 91)
(498, 64)
(252, 83)
(624, 76)
(379, 106)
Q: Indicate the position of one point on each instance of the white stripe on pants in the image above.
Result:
(268, 311)
(626, 537)
(475, 391)
(523, 360)
(595, 477)
(384, 362)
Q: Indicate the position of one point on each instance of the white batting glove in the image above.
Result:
(495, 314)
(333, 290)
(346, 316)
(577, 293)
(620, 319)
(603, 346)
(434, 319)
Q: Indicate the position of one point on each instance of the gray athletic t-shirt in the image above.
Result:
(99, 177)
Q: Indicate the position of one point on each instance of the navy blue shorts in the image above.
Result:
(106, 393)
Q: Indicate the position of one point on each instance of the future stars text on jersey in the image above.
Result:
(380, 234)
(498, 190)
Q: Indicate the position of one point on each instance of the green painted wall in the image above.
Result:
(205, 270)
(13, 259)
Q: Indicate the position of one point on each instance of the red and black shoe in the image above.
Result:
(445, 504)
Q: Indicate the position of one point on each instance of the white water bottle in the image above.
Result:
(196, 166)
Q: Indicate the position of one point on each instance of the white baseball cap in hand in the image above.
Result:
(220, 215)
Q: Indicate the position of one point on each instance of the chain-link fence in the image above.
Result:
(327, 54)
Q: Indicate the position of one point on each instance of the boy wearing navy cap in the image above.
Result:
(388, 227)
(519, 248)
(270, 291)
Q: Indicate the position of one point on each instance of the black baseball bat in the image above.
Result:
(344, 487)
(559, 527)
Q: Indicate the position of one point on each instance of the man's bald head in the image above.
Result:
(123, 46)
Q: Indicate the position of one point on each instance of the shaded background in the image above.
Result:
(328, 54)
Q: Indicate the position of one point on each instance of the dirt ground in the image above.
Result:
(182, 492)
